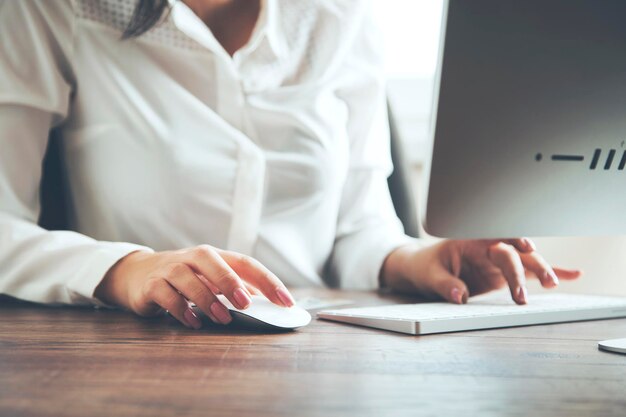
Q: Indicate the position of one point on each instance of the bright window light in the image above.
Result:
(411, 34)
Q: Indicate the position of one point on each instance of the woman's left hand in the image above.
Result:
(457, 269)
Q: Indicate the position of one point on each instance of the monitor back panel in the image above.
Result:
(530, 123)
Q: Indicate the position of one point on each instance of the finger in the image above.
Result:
(206, 261)
(215, 291)
(258, 275)
(185, 281)
(506, 258)
(447, 286)
(568, 274)
(209, 284)
(252, 290)
(160, 292)
(214, 319)
(539, 267)
(524, 245)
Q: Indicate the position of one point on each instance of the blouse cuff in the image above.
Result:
(89, 275)
(362, 255)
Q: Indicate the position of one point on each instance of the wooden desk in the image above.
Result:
(84, 362)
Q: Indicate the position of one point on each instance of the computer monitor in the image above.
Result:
(529, 129)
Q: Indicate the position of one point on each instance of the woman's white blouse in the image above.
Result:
(279, 152)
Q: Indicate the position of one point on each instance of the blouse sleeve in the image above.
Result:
(36, 84)
(368, 228)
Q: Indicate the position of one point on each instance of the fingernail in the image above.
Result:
(456, 295)
(522, 295)
(213, 318)
(530, 245)
(220, 312)
(192, 319)
(548, 280)
(242, 298)
(554, 278)
(285, 297)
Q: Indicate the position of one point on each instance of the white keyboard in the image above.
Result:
(484, 312)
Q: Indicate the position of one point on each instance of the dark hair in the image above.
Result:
(146, 14)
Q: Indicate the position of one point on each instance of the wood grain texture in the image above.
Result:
(86, 362)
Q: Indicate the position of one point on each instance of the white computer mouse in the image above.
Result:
(613, 345)
(262, 313)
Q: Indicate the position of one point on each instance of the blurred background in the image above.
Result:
(411, 31)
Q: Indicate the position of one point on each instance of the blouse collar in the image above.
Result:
(268, 27)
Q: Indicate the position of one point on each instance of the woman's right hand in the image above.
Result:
(148, 283)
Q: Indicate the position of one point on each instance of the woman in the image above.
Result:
(231, 141)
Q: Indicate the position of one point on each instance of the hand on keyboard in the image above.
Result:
(456, 269)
